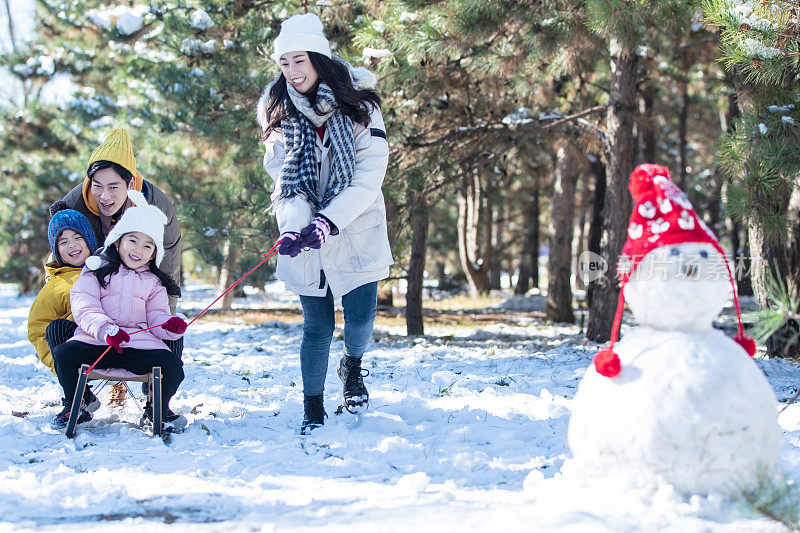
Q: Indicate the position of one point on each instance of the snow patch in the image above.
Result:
(200, 20)
(375, 53)
(127, 20)
(757, 49)
(128, 23)
(196, 47)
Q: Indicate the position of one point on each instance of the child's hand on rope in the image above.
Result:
(175, 325)
(290, 244)
(116, 337)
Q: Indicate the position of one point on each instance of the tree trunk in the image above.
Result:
(12, 34)
(535, 232)
(742, 264)
(683, 117)
(416, 265)
(596, 223)
(718, 178)
(582, 227)
(781, 260)
(793, 242)
(227, 274)
(440, 274)
(486, 224)
(617, 202)
(768, 255)
(471, 210)
(495, 215)
(529, 260)
(647, 131)
(559, 265)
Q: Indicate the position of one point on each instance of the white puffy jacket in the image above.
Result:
(360, 253)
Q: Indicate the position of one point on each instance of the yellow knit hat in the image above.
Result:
(116, 148)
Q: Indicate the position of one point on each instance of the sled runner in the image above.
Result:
(153, 380)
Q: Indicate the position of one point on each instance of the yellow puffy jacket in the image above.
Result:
(51, 303)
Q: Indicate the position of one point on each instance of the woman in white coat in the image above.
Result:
(327, 153)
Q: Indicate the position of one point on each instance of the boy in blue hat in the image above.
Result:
(50, 321)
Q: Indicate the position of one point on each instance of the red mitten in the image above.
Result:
(116, 338)
(175, 325)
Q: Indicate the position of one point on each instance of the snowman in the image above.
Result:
(675, 400)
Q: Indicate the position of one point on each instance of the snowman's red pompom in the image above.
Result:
(746, 342)
(606, 362)
(641, 180)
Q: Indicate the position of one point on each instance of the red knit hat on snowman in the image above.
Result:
(662, 215)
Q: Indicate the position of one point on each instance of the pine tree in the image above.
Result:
(625, 24)
(184, 80)
(460, 69)
(761, 47)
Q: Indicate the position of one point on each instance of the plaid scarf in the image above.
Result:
(300, 170)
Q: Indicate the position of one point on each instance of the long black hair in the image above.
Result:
(354, 103)
(113, 261)
(123, 172)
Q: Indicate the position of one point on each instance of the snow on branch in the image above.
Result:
(126, 20)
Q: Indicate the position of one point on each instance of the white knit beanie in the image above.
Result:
(141, 217)
(301, 33)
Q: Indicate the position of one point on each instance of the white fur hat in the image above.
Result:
(301, 33)
(141, 217)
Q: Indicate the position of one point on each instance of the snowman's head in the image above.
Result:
(672, 268)
(681, 286)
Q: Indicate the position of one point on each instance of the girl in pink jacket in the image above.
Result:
(120, 291)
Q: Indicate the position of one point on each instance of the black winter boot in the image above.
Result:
(90, 401)
(356, 397)
(171, 422)
(314, 414)
(61, 419)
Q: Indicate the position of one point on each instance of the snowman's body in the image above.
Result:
(689, 406)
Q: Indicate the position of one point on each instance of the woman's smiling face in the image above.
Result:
(298, 71)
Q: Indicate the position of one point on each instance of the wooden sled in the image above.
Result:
(153, 379)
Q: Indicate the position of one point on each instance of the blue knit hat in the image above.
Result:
(66, 218)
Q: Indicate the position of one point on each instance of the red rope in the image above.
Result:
(617, 319)
(269, 255)
(107, 349)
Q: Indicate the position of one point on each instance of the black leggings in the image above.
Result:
(72, 354)
(61, 330)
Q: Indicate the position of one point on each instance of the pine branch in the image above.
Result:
(531, 126)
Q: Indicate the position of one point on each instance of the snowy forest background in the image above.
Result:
(514, 126)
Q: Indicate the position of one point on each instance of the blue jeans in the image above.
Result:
(319, 322)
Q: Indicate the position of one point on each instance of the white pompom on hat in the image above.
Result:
(301, 33)
(141, 217)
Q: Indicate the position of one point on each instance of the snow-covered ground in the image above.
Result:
(466, 431)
